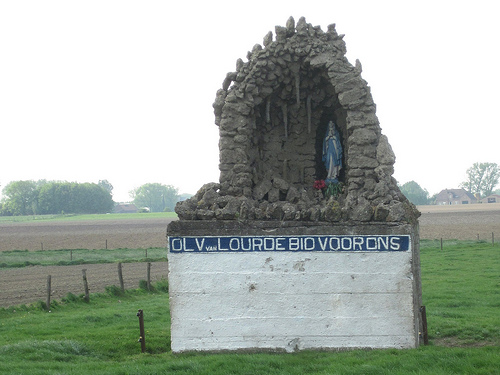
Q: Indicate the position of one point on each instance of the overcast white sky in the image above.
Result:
(123, 90)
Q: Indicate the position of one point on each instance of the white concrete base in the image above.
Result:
(291, 301)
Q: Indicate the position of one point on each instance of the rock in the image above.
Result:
(274, 212)
(281, 184)
(314, 213)
(280, 33)
(184, 212)
(301, 26)
(396, 212)
(289, 211)
(273, 195)
(209, 186)
(268, 39)
(363, 211)
(290, 26)
(385, 155)
(262, 188)
(381, 212)
(293, 195)
(205, 214)
(363, 136)
(230, 77)
(361, 161)
(208, 199)
(333, 211)
(260, 214)
(232, 209)
(246, 211)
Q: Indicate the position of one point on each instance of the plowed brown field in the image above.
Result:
(91, 234)
(25, 285)
(29, 284)
(460, 222)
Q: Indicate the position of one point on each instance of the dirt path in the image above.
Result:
(29, 284)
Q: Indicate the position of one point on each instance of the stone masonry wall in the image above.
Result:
(272, 114)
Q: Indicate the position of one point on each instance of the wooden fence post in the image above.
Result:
(493, 238)
(149, 276)
(49, 281)
(424, 325)
(85, 285)
(142, 338)
(120, 276)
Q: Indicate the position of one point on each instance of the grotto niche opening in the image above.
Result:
(273, 113)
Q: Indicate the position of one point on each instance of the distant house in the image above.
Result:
(493, 198)
(125, 208)
(455, 196)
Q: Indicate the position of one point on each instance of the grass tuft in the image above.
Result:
(46, 350)
(113, 290)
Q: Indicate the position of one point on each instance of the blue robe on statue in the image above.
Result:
(332, 153)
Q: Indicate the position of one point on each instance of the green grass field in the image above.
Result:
(23, 258)
(461, 290)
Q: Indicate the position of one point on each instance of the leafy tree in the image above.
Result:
(91, 198)
(481, 178)
(54, 198)
(42, 197)
(20, 197)
(432, 199)
(415, 193)
(106, 185)
(4, 210)
(72, 197)
(157, 197)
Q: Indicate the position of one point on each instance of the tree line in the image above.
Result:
(481, 179)
(55, 197)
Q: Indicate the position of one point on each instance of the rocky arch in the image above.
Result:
(272, 114)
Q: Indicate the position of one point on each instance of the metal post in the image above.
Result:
(142, 337)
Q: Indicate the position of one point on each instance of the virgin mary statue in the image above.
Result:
(332, 153)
